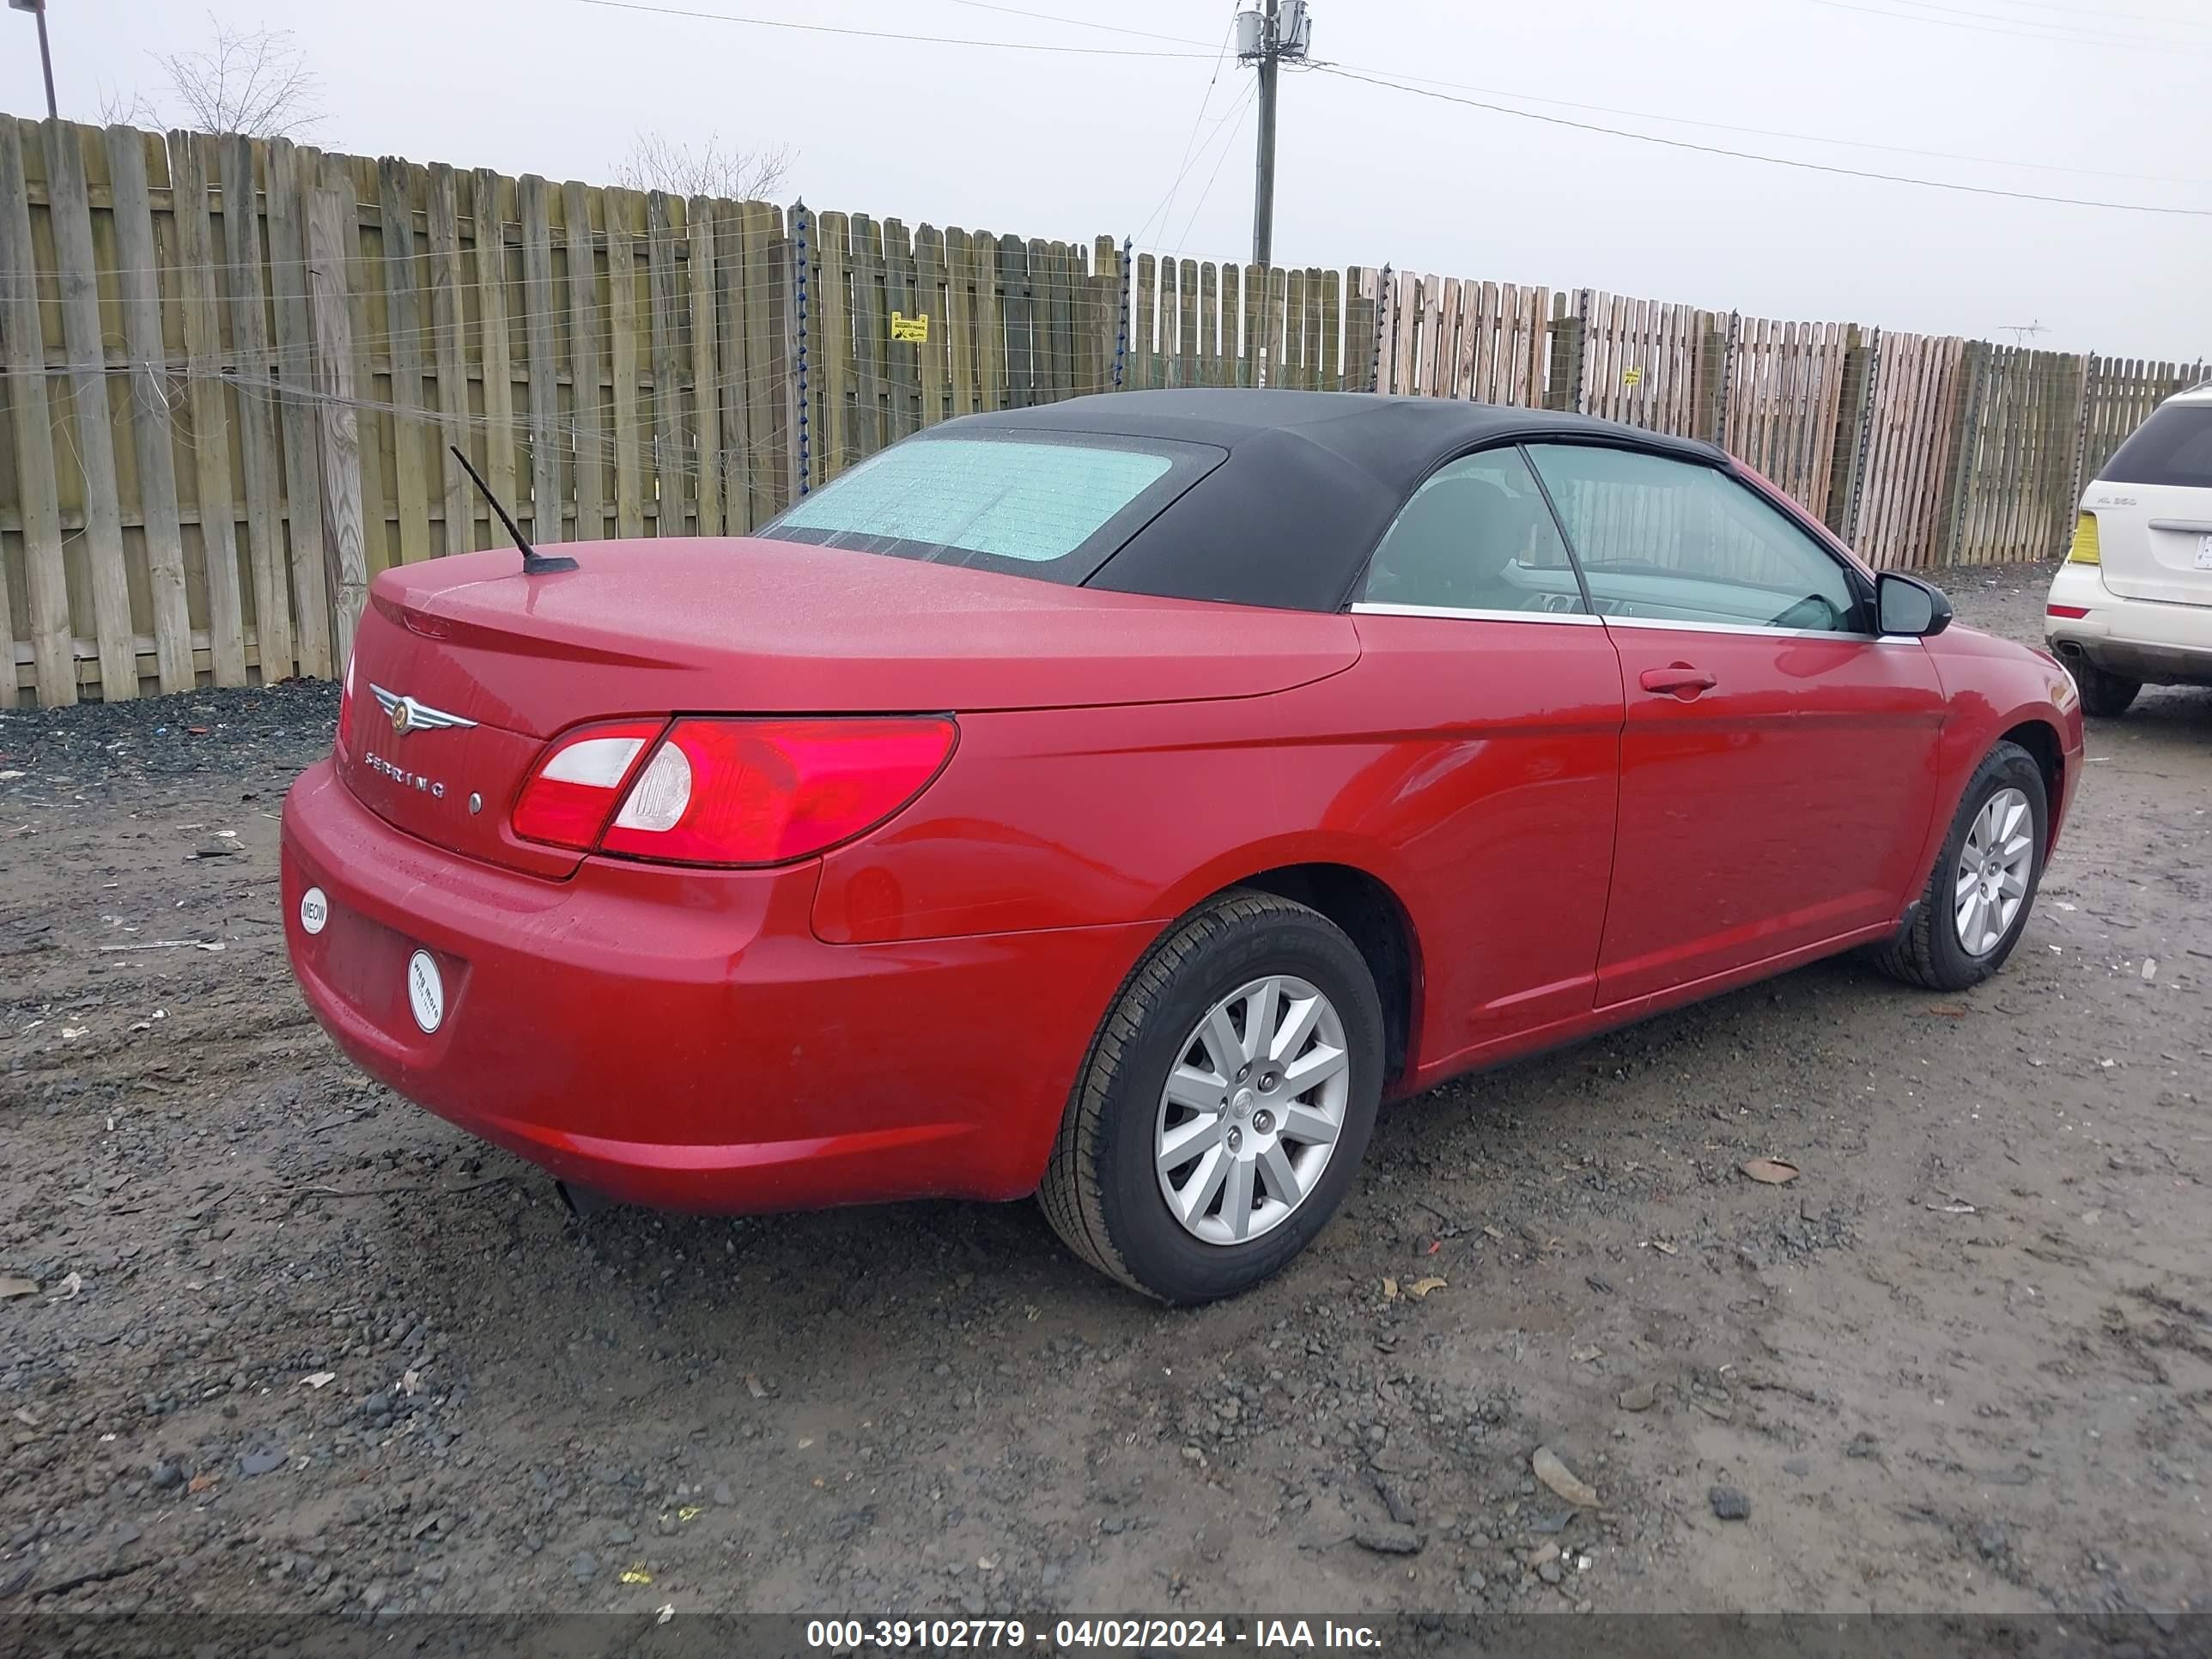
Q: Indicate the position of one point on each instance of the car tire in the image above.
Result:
(2104, 694)
(1932, 951)
(1104, 1190)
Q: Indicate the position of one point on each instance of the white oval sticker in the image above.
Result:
(314, 910)
(426, 990)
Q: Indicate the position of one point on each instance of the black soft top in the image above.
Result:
(1311, 480)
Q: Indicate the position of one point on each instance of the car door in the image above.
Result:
(1778, 761)
(1502, 703)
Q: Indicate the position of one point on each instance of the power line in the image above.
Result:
(1754, 155)
(1078, 22)
(1723, 126)
(1232, 125)
(2102, 15)
(1690, 120)
(1773, 133)
(881, 34)
(1183, 170)
(2088, 38)
(2072, 30)
(2082, 31)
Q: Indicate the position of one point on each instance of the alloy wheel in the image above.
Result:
(1993, 867)
(1252, 1110)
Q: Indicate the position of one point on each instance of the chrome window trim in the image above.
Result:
(1755, 628)
(1372, 608)
(1757, 631)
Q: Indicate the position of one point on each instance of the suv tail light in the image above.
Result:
(2084, 549)
(729, 791)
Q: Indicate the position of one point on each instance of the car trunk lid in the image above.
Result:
(423, 747)
(483, 663)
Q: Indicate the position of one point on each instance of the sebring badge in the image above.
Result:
(399, 774)
(409, 715)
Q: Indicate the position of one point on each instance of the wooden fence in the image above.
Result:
(235, 370)
(1918, 450)
(1194, 323)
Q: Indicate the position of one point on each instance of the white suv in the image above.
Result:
(2132, 605)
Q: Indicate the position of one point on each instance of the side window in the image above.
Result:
(1676, 542)
(1475, 536)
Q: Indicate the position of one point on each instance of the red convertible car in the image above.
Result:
(1116, 800)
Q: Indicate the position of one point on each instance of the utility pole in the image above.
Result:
(1263, 184)
(46, 51)
(1266, 36)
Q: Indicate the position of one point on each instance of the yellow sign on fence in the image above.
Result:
(910, 331)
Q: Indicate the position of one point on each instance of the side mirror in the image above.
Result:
(1907, 605)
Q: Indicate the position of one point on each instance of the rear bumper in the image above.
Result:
(2146, 640)
(681, 1038)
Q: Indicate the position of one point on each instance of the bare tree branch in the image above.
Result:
(254, 81)
(126, 109)
(657, 162)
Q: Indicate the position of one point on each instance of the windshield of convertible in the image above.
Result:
(1048, 504)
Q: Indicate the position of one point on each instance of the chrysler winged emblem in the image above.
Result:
(409, 715)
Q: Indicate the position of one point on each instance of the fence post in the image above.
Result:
(308, 565)
(1385, 296)
(148, 404)
(1358, 327)
(99, 550)
(329, 214)
(45, 573)
(1965, 433)
(803, 457)
(1705, 374)
(1563, 384)
(1853, 423)
(1018, 307)
(1717, 365)
(1122, 335)
(2080, 440)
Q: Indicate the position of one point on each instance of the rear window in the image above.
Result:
(1043, 504)
(2174, 447)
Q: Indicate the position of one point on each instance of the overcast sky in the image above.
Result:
(2069, 98)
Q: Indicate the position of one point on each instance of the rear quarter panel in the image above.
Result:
(1076, 817)
(1089, 817)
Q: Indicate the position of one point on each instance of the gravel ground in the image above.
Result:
(298, 1347)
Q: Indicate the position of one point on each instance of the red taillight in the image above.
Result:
(2070, 611)
(577, 782)
(737, 792)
